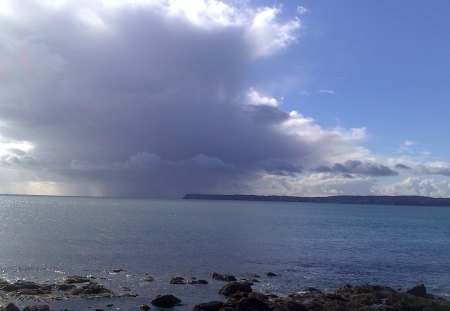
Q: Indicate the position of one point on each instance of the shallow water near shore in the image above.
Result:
(320, 245)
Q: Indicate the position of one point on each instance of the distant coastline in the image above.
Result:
(342, 199)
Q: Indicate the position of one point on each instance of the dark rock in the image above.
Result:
(314, 290)
(291, 305)
(419, 291)
(209, 306)
(32, 292)
(195, 281)
(76, 279)
(177, 280)
(37, 308)
(3, 283)
(235, 287)
(252, 304)
(9, 307)
(144, 307)
(147, 278)
(224, 277)
(64, 287)
(115, 270)
(93, 289)
(20, 285)
(99, 310)
(271, 274)
(165, 301)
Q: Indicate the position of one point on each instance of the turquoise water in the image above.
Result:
(321, 245)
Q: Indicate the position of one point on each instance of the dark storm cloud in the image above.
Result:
(358, 167)
(141, 102)
(402, 166)
(279, 167)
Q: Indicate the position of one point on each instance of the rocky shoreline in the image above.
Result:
(238, 295)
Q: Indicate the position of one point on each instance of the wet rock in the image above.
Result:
(195, 281)
(33, 292)
(9, 307)
(251, 304)
(209, 306)
(20, 284)
(75, 279)
(93, 289)
(419, 291)
(115, 270)
(271, 274)
(110, 305)
(291, 305)
(37, 308)
(224, 277)
(235, 287)
(147, 278)
(64, 287)
(3, 283)
(165, 301)
(177, 280)
(144, 307)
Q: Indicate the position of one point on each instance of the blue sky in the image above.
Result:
(387, 63)
(158, 98)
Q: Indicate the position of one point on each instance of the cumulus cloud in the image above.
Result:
(255, 98)
(151, 99)
(415, 186)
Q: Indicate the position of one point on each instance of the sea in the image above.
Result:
(43, 239)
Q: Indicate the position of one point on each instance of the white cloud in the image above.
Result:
(256, 98)
(267, 35)
(315, 184)
(301, 10)
(323, 91)
(415, 186)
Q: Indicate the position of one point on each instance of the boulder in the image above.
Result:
(252, 304)
(147, 278)
(9, 307)
(92, 289)
(20, 284)
(144, 307)
(165, 301)
(209, 306)
(195, 281)
(291, 305)
(270, 274)
(419, 291)
(224, 277)
(3, 283)
(177, 280)
(235, 287)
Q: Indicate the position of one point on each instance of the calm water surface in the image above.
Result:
(321, 245)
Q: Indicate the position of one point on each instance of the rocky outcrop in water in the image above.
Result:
(347, 298)
(166, 301)
(224, 277)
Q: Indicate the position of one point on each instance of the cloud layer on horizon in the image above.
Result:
(150, 99)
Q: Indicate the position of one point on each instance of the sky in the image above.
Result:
(155, 99)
